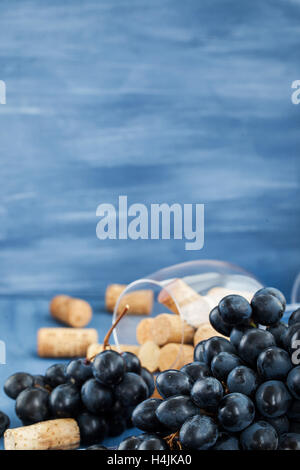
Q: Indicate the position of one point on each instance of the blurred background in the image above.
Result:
(162, 101)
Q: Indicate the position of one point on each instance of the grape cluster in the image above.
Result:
(100, 395)
(239, 393)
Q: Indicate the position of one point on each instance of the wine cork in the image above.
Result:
(74, 312)
(168, 328)
(140, 301)
(205, 331)
(96, 348)
(57, 434)
(149, 356)
(194, 308)
(144, 330)
(218, 293)
(65, 342)
(175, 356)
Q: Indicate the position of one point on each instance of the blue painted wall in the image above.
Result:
(164, 101)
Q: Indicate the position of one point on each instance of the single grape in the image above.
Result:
(289, 441)
(173, 382)
(174, 411)
(144, 415)
(266, 309)
(243, 380)
(294, 411)
(32, 405)
(196, 370)
(199, 433)
(226, 441)
(109, 367)
(55, 375)
(253, 343)
(214, 346)
(149, 380)
(280, 424)
(274, 363)
(132, 362)
(278, 330)
(152, 442)
(92, 428)
(199, 351)
(130, 443)
(295, 317)
(237, 334)
(235, 310)
(96, 397)
(4, 423)
(236, 412)
(132, 390)
(16, 383)
(116, 425)
(79, 371)
(65, 401)
(272, 291)
(218, 323)
(207, 393)
(96, 447)
(259, 436)
(293, 382)
(273, 399)
(223, 364)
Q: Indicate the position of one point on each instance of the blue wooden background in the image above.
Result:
(162, 101)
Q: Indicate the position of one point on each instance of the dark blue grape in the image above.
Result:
(173, 382)
(274, 363)
(132, 390)
(273, 399)
(293, 382)
(96, 397)
(226, 441)
(92, 428)
(214, 346)
(236, 412)
(235, 310)
(79, 371)
(295, 317)
(132, 362)
(199, 433)
(278, 330)
(199, 352)
(116, 425)
(16, 383)
(288, 334)
(244, 380)
(237, 334)
(55, 375)
(280, 424)
(149, 380)
(130, 443)
(144, 416)
(109, 367)
(32, 405)
(259, 436)
(289, 441)
(218, 323)
(152, 442)
(266, 309)
(96, 447)
(207, 393)
(174, 411)
(223, 364)
(196, 370)
(273, 291)
(65, 401)
(4, 423)
(253, 343)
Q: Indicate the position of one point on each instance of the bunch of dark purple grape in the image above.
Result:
(242, 393)
(99, 395)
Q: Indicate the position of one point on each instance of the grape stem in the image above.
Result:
(108, 334)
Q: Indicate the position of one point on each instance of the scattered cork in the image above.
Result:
(149, 356)
(73, 312)
(205, 331)
(65, 342)
(194, 308)
(144, 331)
(168, 328)
(96, 348)
(175, 356)
(57, 434)
(140, 301)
